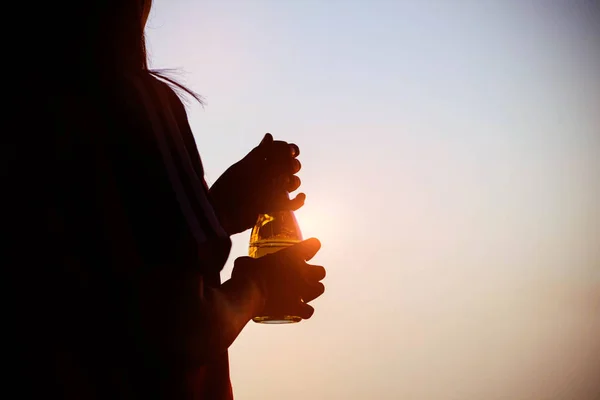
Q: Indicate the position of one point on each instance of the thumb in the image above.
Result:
(243, 261)
(266, 140)
(261, 150)
(244, 267)
(305, 249)
(263, 147)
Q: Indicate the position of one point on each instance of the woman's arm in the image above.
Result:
(191, 322)
(226, 310)
(203, 321)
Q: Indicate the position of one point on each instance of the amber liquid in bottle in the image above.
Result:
(273, 232)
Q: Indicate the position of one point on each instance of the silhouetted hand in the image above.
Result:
(286, 275)
(258, 184)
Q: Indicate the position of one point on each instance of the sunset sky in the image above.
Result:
(451, 161)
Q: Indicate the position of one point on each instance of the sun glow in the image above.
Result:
(321, 221)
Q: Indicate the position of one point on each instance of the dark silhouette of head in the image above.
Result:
(75, 38)
(81, 40)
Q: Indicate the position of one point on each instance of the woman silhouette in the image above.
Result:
(116, 240)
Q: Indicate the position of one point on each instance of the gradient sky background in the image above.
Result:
(451, 158)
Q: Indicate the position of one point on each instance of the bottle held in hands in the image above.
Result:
(273, 232)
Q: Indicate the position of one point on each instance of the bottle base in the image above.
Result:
(277, 320)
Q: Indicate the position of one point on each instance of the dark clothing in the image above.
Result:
(124, 242)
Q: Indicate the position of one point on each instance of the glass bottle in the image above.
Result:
(273, 232)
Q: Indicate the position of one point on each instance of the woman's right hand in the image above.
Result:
(286, 274)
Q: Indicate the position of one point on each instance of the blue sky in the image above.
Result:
(450, 158)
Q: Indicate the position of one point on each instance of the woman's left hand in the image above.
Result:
(258, 184)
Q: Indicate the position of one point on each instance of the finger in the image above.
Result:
(304, 250)
(295, 150)
(297, 202)
(283, 148)
(311, 292)
(304, 310)
(314, 273)
(283, 181)
(293, 183)
(296, 165)
(281, 156)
